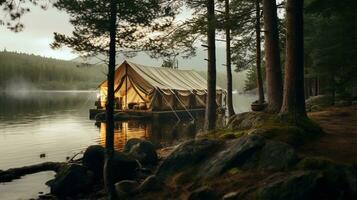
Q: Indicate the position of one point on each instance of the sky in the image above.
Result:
(38, 34)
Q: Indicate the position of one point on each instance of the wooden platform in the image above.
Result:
(99, 114)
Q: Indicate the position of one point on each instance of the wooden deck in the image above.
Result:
(99, 114)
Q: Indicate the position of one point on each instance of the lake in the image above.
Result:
(56, 124)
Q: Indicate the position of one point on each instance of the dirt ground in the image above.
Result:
(340, 141)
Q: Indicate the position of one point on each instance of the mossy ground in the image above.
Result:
(339, 143)
(331, 133)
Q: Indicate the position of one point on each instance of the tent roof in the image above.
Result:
(166, 78)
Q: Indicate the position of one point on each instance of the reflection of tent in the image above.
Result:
(157, 88)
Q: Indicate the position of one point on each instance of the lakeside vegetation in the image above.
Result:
(36, 72)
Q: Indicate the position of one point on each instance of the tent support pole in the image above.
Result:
(126, 86)
(173, 110)
(183, 105)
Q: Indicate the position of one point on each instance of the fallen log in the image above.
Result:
(15, 173)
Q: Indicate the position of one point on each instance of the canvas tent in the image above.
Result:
(157, 88)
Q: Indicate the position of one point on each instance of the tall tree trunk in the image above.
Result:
(109, 139)
(229, 63)
(272, 56)
(294, 99)
(258, 54)
(211, 71)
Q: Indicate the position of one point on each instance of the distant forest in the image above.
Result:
(36, 72)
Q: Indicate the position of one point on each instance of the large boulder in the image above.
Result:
(234, 154)
(277, 156)
(151, 183)
(187, 155)
(333, 181)
(124, 166)
(93, 158)
(341, 179)
(126, 188)
(142, 150)
(294, 185)
(207, 158)
(203, 192)
(70, 180)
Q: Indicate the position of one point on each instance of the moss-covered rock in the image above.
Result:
(247, 120)
(234, 154)
(288, 134)
(277, 156)
(187, 156)
(322, 101)
(284, 128)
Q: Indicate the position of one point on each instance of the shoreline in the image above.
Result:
(340, 116)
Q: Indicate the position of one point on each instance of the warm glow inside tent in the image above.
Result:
(140, 87)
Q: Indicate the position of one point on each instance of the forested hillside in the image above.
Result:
(36, 72)
(46, 73)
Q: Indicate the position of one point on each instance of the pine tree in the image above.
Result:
(99, 28)
(228, 60)
(294, 99)
(272, 56)
(210, 117)
(258, 54)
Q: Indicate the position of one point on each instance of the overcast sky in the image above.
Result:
(38, 33)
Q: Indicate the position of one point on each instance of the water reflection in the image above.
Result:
(124, 131)
(160, 132)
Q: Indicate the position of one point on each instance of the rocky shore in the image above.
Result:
(257, 157)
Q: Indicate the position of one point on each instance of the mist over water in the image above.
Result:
(18, 87)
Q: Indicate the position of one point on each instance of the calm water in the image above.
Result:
(56, 124)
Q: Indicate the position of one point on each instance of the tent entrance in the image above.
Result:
(128, 96)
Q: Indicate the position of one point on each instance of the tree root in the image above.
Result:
(15, 173)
